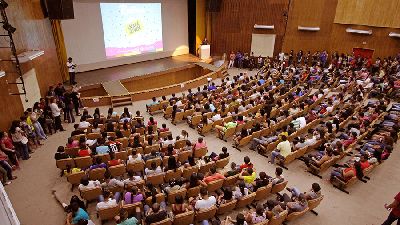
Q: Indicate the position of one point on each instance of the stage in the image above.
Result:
(132, 70)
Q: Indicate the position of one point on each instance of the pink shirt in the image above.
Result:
(74, 144)
(200, 145)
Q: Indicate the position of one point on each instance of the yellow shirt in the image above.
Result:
(250, 179)
(284, 148)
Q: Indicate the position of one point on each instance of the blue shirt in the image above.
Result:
(79, 215)
(102, 149)
(130, 221)
(262, 81)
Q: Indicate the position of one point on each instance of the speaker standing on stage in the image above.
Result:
(71, 69)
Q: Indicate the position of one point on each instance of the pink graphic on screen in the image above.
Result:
(131, 28)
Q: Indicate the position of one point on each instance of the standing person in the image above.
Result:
(71, 69)
(69, 106)
(395, 213)
(56, 111)
(20, 140)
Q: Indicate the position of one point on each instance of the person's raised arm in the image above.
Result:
(392, 205)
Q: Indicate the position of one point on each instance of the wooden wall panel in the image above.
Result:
(332, 37)
(233, 26)
(33, 32)
(378, 13)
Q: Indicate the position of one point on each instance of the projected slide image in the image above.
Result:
(131, 28)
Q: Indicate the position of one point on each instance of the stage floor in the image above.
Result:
(132, 70)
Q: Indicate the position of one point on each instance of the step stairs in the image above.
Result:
(118, 101)
(225, 73)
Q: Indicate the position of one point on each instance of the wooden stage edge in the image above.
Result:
(95, 94)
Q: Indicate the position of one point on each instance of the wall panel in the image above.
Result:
(233, 26)
(33, 32)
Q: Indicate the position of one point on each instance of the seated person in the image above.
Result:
(283, 149)
(173, 185)
(248, 176)
(346, 173)
(225, 195)
(123, 217)
(206, 201)
(98, 164)
(153, 170)
(222, 155)
(298, 204)
(274, 208)
(240, 220)
(113, 161)
(235, 169)
(169, 141)
(240, 190)
(132, 196)
(151, 122)
(180, 206)
(87, 184)
(132, 179)
(279, 178)
(96, 129)
(69, 170)
(314, 193)
(246, 164)
(134, 157)
(213, 176)
(60, 154)
(72, 143)
(156, 213)
(222, 129)
(199, 144)
(163, 128)
(76, 214)
(257, 215)
(261, 181)
(243, 133)
(107, 200)
(110, 182)
(76, 131)
(84, 123)
(318, 159)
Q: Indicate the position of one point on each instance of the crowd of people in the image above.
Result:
(28, 132)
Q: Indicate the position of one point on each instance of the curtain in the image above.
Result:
(60, 48)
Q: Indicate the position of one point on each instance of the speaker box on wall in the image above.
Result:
(214, 5)
(60, 9)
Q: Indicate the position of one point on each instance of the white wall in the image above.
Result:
(7, 213)
(32, 89)
(84, 41)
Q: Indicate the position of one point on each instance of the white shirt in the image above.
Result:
(302, 121)
(54, 109)
(216, 117)
(71, 67)
(84, 124)
(92, 184)
(205, 204)
(106, 204)
(151, 172)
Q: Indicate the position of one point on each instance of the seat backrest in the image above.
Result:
(185, 218)
(193, 192)
(83, 162)
(278, 187)
(104, 157)
(93, 136)
(196, 120)
(136, 166)
(184, 155)
(171, 196)
(124, 142)
(256, 134)
(73, 152)
(180, 144)
(159, 198)
(108, 213)
(245, 200)
(118, 170)
(206, 214)
(91, 194)
(244, 141)
(148, 149)
(314, 203)
(230, 181)
(123, 155)
(294, 215)
(198, 153)
(205, 168)
(62, 163)
(165, 134)
(265, 222)
(263, 192)
(97, 174)
(229, 132)
(187, 172)
(167, 221)
(220, 164)
(155, 179)
(131, 208)
(226, 207)
(75, 178)
(206, 128)
(172, 174)
(156, 160)
(279, 219)
(215, 185)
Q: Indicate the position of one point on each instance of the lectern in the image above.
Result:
(204, 51)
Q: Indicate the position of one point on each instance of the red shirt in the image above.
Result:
(114, 162)
(396, 210)
(7, 142)
(84, 152)
(364, 165)
(245, 166)
(213, 177)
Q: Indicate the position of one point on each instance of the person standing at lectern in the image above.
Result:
(205, 42)
(71, 69)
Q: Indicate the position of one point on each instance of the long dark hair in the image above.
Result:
(359, 171)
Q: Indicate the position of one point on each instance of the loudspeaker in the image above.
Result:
(60, 9)
(214, 5)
